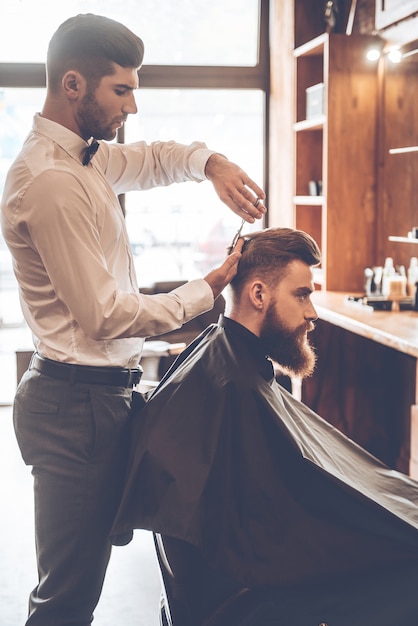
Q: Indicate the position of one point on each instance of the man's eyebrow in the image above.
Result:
(125, 86)
(302, 291)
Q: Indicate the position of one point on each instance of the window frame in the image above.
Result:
(33, 75)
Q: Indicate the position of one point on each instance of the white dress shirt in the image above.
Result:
(64, 226)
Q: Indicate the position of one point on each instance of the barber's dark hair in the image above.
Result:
(267, 254)
(90, 44)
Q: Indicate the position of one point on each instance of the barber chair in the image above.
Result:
(194, 594)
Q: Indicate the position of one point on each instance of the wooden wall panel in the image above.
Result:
(351, 171)
(398, 173)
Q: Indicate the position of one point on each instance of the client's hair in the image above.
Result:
(267, 254)
(91, 44)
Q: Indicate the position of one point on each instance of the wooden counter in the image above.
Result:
(366, 379)
(396, 330)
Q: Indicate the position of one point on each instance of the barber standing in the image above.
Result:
(64, 226)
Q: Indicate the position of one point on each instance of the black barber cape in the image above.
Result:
(227, 460)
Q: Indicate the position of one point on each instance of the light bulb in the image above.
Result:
(395, 56)
(373, 54)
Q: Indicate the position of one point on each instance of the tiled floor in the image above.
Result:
(132, 589)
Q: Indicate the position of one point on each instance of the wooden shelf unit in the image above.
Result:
(338, 148)
(403, 239)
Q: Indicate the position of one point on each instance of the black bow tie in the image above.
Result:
(90, 151)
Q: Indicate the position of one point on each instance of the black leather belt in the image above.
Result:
(115, 376)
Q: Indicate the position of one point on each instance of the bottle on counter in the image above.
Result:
(388, 273)
(412, 277)
(397, 286)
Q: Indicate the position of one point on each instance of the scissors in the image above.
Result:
(238, 233)
(236, 237)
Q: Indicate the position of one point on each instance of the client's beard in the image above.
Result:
(291, 349)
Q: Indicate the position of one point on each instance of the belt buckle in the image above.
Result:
(135, 376)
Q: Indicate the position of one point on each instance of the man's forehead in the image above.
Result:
(298, 274)
(123, 76)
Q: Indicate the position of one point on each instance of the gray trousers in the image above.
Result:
(74, 436)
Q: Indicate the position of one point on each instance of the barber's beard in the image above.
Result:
(93, 119)
(290, 348)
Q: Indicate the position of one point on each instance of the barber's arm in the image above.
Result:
(139, 166)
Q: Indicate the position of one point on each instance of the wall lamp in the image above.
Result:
(395, 55)
(373, 54)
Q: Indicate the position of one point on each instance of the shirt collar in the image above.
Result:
(69, 141)
(253, 343)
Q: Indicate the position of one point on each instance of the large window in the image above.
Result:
(183, 230)
(175, 32)
(204, 78)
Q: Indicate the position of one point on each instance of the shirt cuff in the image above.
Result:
(197, 298)
(198, 161)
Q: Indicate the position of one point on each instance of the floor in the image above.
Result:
(132, 588)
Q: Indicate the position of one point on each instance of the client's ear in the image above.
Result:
(258, 294)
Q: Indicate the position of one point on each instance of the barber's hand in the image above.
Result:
(235, 188)
(220, 277)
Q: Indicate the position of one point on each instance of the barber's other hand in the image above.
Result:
(220, 277)
(235, 188)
